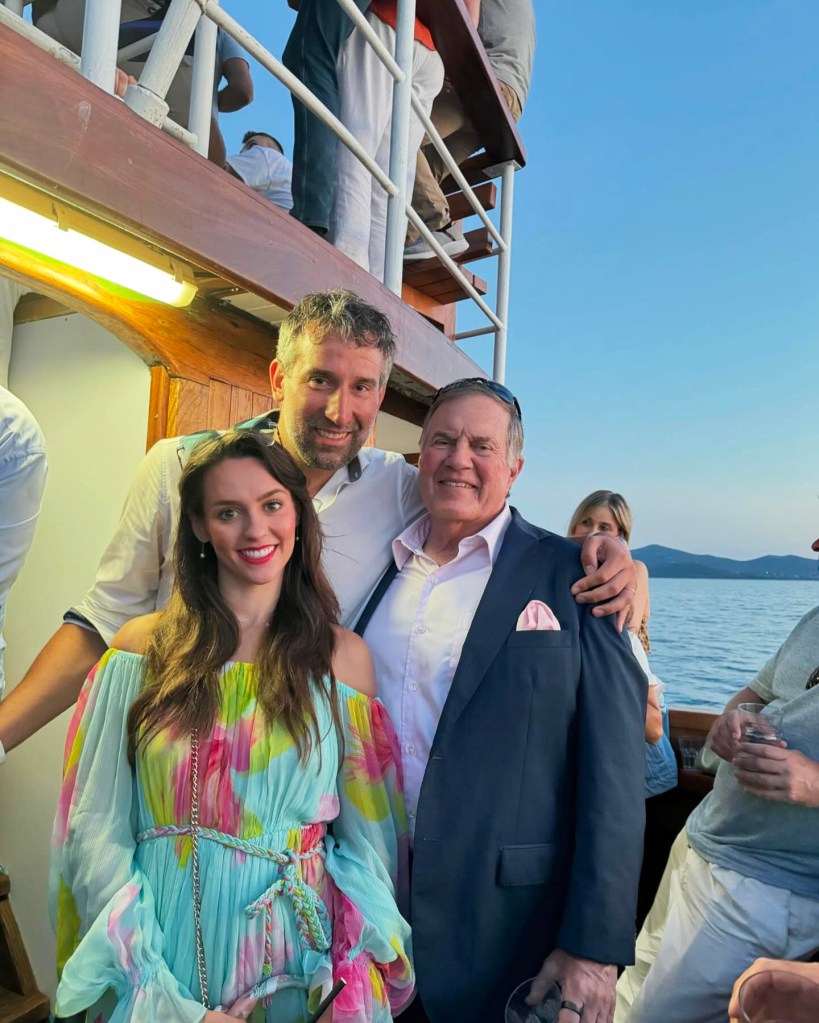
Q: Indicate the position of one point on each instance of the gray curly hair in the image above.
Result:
(338, 312)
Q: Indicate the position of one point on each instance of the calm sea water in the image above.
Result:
(709, 637)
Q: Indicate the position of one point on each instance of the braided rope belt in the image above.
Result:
(312, 919)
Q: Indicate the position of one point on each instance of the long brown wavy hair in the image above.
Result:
(198, 633)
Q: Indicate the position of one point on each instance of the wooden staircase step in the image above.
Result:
(437, 283)
(473, 169)
(20, 1001)
(459, 206)
(451, 291)
(480, 246)
(425, 271)
(16, 1008)
(431, 278)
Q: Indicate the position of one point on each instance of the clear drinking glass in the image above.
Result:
(690, 745)
(763, 724)
(546, 1011)
(775, 996)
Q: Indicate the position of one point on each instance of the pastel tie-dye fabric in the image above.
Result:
(298, 862)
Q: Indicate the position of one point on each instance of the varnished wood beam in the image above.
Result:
(33, 308)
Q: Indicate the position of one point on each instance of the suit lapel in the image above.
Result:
(519, 565)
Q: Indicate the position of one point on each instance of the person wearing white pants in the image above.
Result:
(742, 880)
(365, 89)
(706, 927)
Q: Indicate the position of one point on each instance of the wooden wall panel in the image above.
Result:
(178, 405)
(158, 406)
(241, 404)
(219, 405)
(262, 403)
(187, 408)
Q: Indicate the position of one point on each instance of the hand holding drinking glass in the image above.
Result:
(776, 996)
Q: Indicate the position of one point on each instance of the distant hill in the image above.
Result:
(665, 562)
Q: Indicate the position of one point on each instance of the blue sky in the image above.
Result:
(665, 295)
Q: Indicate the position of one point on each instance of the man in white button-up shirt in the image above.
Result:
(334, 357)
(520, 717)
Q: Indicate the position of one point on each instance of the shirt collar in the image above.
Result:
(350, 473)
(411, 541)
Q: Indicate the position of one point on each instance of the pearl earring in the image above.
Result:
(202, 552)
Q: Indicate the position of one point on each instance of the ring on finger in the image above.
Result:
(572, 1007)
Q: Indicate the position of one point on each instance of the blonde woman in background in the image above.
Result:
(604, 511)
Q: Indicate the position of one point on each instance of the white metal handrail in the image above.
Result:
(167, 48)
(384, 55)
(137, 48)
(452, 266)
(71, 59)
(11, 20)
(456, 172)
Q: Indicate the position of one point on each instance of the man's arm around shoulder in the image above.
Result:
(52, 683)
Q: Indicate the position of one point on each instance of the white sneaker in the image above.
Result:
(451, 239)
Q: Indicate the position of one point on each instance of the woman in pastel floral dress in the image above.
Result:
(230, 825)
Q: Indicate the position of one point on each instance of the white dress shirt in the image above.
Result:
(359, 518)
(23, 470)
(417, 632)
(267, 172)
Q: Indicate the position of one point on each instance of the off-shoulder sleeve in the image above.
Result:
(367, 862)
(108, 937)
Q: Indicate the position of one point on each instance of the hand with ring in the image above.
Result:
(588, 987)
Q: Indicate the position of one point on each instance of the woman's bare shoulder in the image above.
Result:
(352, 663)
(134, 635)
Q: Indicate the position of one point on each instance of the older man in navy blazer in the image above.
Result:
(521, 717)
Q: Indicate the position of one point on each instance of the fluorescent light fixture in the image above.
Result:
(65, 236)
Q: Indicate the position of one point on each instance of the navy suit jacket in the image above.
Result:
(529, 827)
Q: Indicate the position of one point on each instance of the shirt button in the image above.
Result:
(413, 687)
(420, 630)
(410, 750)
(411, 813)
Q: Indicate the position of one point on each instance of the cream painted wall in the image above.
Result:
(394, 434)
(90, 394)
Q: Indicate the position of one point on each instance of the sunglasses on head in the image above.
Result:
(492, 386)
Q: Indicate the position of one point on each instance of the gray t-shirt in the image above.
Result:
(776, 843)
(507, 30)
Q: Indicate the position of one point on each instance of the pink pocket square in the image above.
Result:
(537, 616)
